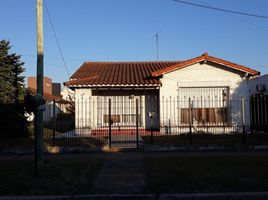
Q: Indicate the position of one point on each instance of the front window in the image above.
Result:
(123, 110)
(204, 105)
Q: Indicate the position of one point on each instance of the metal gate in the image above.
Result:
(117, 120)
(124, 122)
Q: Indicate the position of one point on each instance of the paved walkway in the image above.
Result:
(121, 174)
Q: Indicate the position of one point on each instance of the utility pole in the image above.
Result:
(39, 83)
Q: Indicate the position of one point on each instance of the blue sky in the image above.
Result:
(123, 30)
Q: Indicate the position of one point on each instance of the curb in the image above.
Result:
(145, 148)
(115, 197)
(85, 197)
(218, 196)
(63, 197)
(195, 196)
(203, 148)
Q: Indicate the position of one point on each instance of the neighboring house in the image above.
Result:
(47, 83)
(206, 88)
(67, 94)
(52, 95)
(56, 89)
(258, 90)
(52, 102)
(258, 85)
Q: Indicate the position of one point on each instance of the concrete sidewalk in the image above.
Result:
(121, 174)
(122, 177)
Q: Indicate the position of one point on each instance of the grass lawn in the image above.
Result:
(87, 142)
(80, 141)
(68, 176)
(203, 139)
(207, 174)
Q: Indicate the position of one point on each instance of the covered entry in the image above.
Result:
(123, 121)
(117, 115)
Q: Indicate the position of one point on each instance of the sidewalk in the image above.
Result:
(121, 174)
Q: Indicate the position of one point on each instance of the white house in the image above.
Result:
(258, 85)
(67, 94)
(54, 105)
(204, 91)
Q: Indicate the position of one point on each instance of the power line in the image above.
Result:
(56, 38)
(222, 10)
(243, 20)
(248, 22)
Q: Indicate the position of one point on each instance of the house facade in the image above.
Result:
(54, 105)
(204, 91)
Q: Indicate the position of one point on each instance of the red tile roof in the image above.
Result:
(50, 97)
(117, 74)
(205, 57)
(138, 74)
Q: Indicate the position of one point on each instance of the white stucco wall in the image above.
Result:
(204, 75)
(91, 107)
(83, 108)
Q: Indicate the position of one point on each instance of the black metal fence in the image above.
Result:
(259, 112)
(133, 121)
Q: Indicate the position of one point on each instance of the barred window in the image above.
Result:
(208, 104)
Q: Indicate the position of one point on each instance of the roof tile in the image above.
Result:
(138, 73)
(117, 73)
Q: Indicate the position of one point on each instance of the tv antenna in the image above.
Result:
(156, 35)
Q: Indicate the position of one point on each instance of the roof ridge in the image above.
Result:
(134, 62)
(205, 56)
(230, 62)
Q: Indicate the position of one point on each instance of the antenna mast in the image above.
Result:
(156, 41)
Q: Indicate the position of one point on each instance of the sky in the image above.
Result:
(124, 30)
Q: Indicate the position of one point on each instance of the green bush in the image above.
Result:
(13, 121)
(64, 122)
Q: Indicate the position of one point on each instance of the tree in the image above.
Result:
(71, 107)
(12, 91)
(11, 82)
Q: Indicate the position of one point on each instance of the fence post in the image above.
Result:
(223, 113)
(137, 123)
(265, 113)
(251, 112)
(151, 127)
(243, 119)
(54, 119)
(110, 124)
(190, 121)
